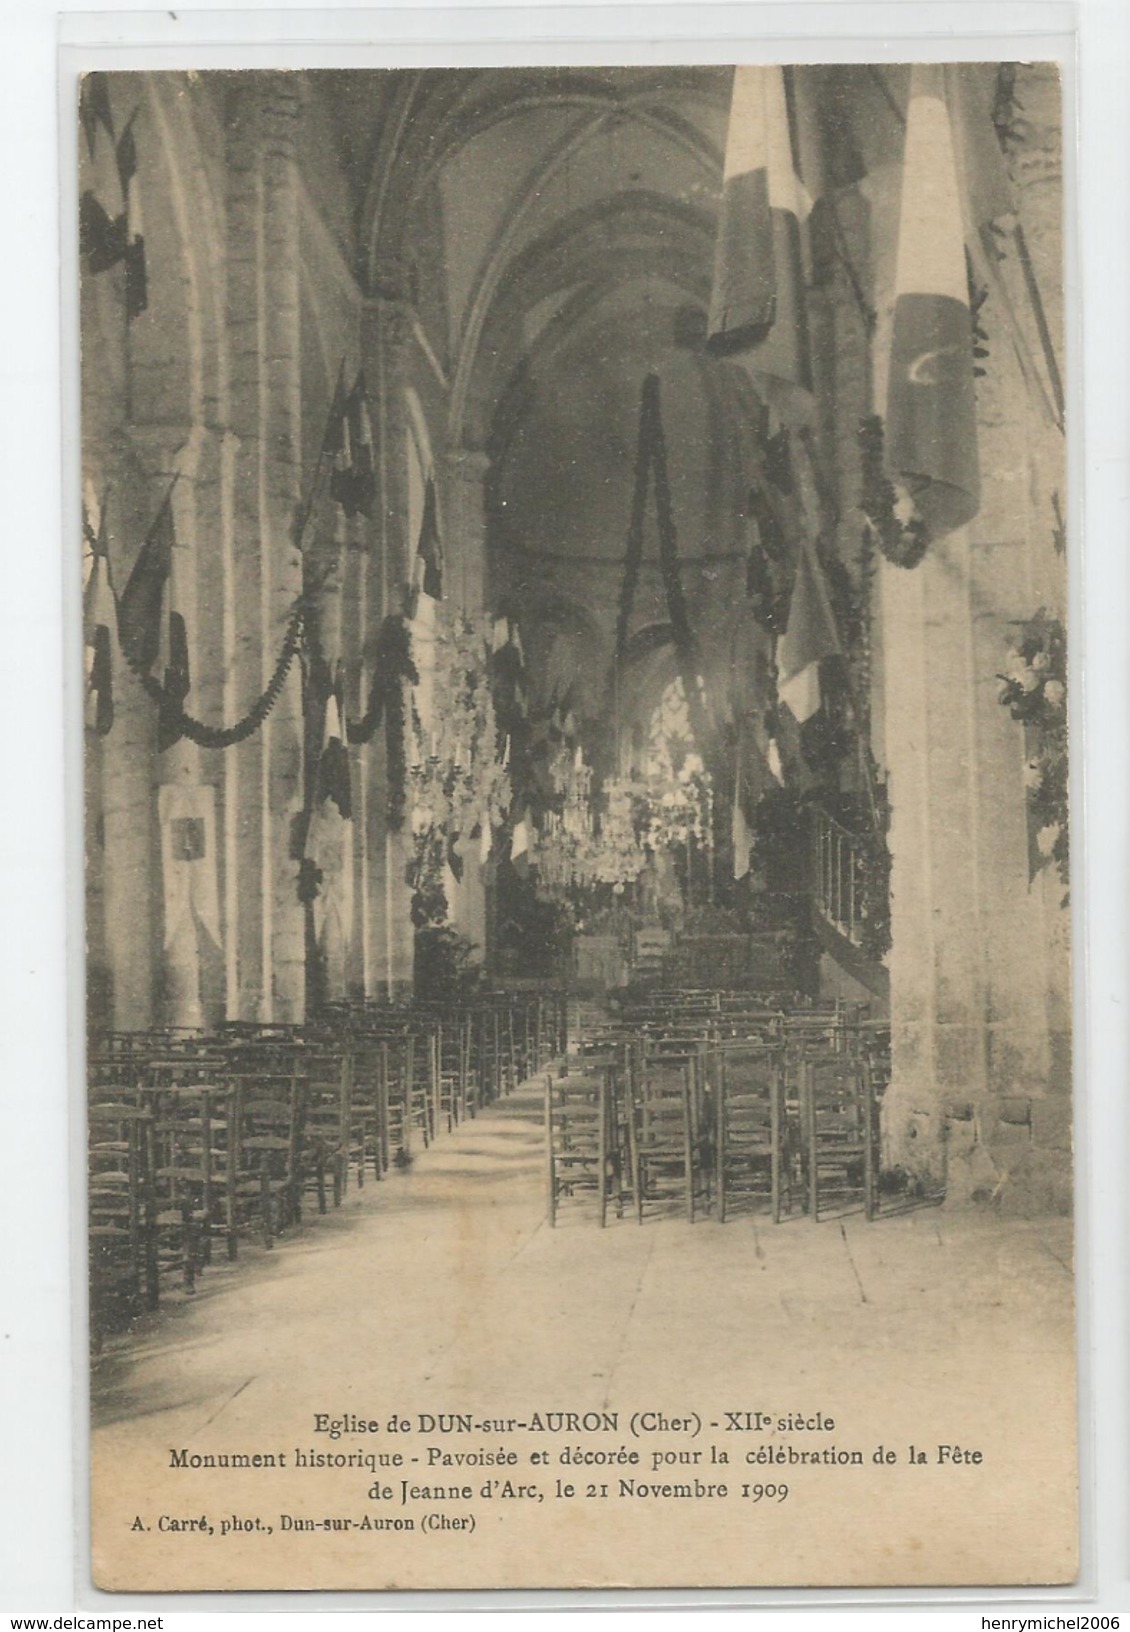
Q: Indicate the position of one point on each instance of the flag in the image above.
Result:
(333, 766)
(141, 606)
(931, 441)
(125, 153)
(741, 834)
(102, 238)
(137, 274)
(328, 850)
(137, 278)
(151, 625)
(94, 108)
(758, 303)
(810, 635)
(99, 622)
(429, 551)
(350, 440)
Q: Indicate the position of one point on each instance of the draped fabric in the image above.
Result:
(811, 636)
(931, 442)
(758, 304)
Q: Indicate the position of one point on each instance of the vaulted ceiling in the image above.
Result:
(554, 229)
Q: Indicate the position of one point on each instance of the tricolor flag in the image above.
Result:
(137, 275)
(810, 636)
(931, 440)
(328, 849)
(103, 238)
(429, 550)
(151, 625)
(99, 623)
(142, 604)
(94, 109)
(741, 834)
(353, 481)
(758, 303)
(109, 235)
(333, 766)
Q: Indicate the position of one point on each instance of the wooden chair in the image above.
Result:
(665, 1132)
(117, 1186)
(265, 1171)
(370, 1100)
(579, 1154)
(751, 1133)
(329, 1146)
(453, 1066)
(840, 1132)
(186, 1094)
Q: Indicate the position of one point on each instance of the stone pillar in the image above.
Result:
(263, 787)
(123, 934)
(387, 931)
(979, 973)
(464, 482)
(179, 461)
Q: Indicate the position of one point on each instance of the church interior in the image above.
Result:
(574, 602)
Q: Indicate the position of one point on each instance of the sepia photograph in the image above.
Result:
(578, 1080)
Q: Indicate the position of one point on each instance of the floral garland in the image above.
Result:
(458, 786)
(1034, 691)
(891, 518)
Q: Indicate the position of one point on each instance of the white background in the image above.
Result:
(42, 1367)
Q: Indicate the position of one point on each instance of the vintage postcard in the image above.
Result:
(578, 979)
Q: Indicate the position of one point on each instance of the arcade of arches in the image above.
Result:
(506, 258)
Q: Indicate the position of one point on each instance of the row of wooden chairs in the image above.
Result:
(198, 1144)
(784, 1118)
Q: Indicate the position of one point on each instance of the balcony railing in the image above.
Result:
(838, 865)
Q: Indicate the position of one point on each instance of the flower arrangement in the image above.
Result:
(1034, 690)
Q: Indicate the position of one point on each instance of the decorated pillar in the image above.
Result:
(123, 920)
(465, 542)
(263, 780)
(387, 934)
(181, 482)
(978, 1101)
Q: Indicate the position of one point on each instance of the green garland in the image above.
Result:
(892, 520)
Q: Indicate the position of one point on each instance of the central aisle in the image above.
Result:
(443, 1289)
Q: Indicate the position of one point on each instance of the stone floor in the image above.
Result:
(443, 1289)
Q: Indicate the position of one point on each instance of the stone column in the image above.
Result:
(123, 935)
(980, 1012)
(387, 931)
(464, 480)
(181, 461)
(264, 782)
